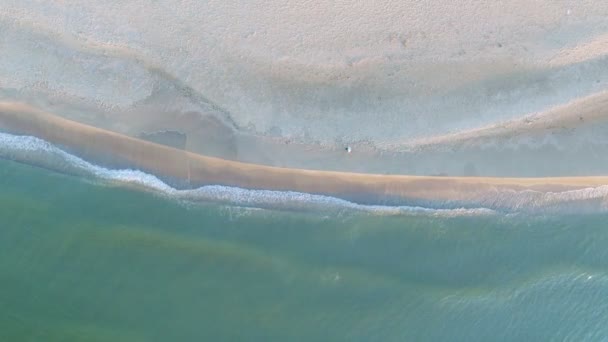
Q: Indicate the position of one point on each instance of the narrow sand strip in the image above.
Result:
(197, 170)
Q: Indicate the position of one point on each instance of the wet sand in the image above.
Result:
(502, 89)
(193, 170)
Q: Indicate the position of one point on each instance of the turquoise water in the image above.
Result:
(83, 261)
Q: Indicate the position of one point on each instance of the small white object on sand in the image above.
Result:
(348, 149)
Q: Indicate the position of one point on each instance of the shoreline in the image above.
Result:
(191, 170)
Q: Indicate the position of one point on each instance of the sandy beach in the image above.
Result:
(289, 170)
(506, 89)
(492, 97)
(194, 170)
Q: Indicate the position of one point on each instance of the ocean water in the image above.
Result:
(84, 259)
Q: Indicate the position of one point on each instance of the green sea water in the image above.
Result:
(81, 261)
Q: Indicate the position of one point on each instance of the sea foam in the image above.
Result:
(35, 151)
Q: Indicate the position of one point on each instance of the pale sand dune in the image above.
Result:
(197, 170)
(309, 71)
(588, 110)
(594, 48)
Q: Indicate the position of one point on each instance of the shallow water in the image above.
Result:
(88, 262)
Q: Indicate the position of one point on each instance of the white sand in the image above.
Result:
(197, 170)
(379, 76)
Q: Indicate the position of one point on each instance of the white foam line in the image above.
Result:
(36, 151)
(33, 150)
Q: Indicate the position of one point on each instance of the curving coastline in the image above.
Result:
(587, 110)
(191, 170)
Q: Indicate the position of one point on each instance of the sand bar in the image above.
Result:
(194, 170)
